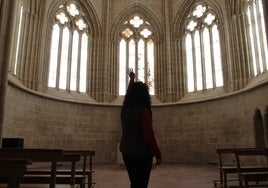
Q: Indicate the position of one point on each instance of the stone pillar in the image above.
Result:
(266, 125)
(167, 10)
(265, 14)
(6, 31)
(258, 129)
(240, 71)
(109, 69)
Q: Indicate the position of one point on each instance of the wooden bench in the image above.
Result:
(229, 167)
(83, 175)
(48, 175)
(87, 167)
(35, 155)
(258, 174)
(39, 175)
(13, 170)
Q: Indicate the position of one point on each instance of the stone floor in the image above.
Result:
(163, 176)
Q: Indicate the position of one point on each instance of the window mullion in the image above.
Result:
(88, 63)
(59, 57)
(78, 63)
(194, 61)
(70, 54)
(212, 56)
(136, 58)
(127, 60)
(202, 59)
(145, 62)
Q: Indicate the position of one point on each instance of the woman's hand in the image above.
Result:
(131, 75)
(158, 160)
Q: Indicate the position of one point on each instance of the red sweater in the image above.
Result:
(147, 128)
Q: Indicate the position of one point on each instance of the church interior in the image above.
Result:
(64, 73)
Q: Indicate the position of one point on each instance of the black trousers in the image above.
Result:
(139, 170)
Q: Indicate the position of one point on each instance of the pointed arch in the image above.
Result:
(139, 50)
(81, 34)
(188, 6)
(91, 15)
(128, 12)
(201, 66)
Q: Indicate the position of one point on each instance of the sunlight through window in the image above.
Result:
(54, 56)
(69, 50)
(258, 37)
(18, 42)
(136, 52)
(203, 53)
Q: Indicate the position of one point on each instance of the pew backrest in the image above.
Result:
(35, 155)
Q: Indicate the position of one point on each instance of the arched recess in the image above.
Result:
(179, 24)
(116, 29)
(94, 33)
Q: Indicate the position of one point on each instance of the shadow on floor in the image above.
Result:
(163, 176)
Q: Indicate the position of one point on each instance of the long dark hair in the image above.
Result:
(137, 95)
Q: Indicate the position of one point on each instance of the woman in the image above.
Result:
(138, 144)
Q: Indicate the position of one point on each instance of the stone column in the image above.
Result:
(265, 14)
(108, 68)
(240, 71)
(167, 10)
(7, 15)
(266, 125)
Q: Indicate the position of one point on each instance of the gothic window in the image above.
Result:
(136, 51)
(202, 49)
(257, 37)
(69, 50)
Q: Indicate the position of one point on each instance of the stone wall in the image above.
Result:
(187, 132)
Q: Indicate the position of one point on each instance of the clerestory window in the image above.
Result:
(69, 50)
(258, 36)
(202, 49)
(136, 52)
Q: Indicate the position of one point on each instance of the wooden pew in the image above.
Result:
(37, 175)
(51, 156)
(87, 168)
(83, 175)
(257, 174)
(13, 170)
(223, 168)
(229, 167)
